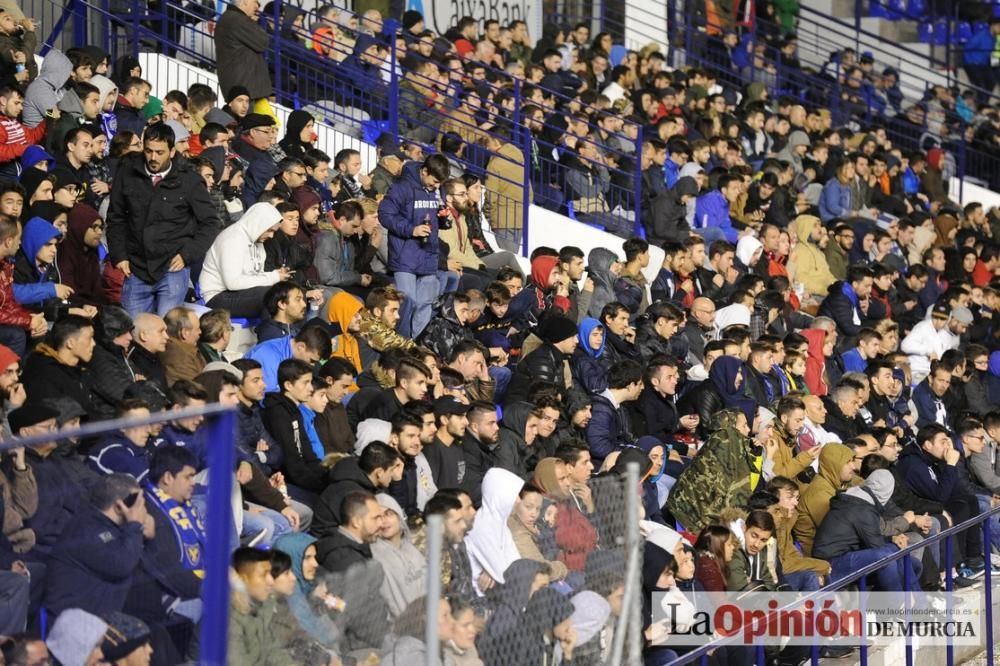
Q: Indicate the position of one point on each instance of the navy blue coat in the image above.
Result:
(92, 565)
(608, 430)
(408, 205)
(927, 478)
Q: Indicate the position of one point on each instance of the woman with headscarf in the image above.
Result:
(589, 365)
(544, 627)
(306, 602)
(946, 228)
(610, 494)
(724, 389)
(591, 613)
(524, 578)
(657, 454)
(575, 534)
(724, 473)
(299, 134)
(490, 543)
(864, 238)
(78, 259)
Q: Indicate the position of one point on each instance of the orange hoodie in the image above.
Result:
(342, 309)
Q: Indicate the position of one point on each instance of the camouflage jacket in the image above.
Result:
(718, 477)
(379, 336)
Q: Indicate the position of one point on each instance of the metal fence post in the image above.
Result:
(393, 92)
(638, 228)
(136, 28)
(276, 41)
(633, 544)
(215, 589)
(79, 23)
(434, 536)
(987, 540)
(526, 185)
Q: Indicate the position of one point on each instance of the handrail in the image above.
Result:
(946, 534)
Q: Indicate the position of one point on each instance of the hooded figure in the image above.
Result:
(669, 211)
(106, 119)
(535, 643)
(746, 248)
(317, 624)
(79, 264)
(292, 144)
(854, 523)
(404, 566)
(815, 502)
(514, 451)
(723, 376)
(235, 262)
(36, 287)
(807, 263)
(509, 602)
(490, 544)
(589, 366)
(342, 309)
(590, 615)
(789, 154)
(599, 263)
(723, 474)
(47, 90)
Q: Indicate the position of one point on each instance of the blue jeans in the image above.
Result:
(502, 378)
(890, 577)
(984, 506)
(166, 293)
(710, 234)
(273, 523)
(801, 581)
(448, 281)
(421, 291)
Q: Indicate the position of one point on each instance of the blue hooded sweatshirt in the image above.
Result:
(37, 232)
(408, 205)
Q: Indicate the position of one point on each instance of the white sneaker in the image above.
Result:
(995, 560)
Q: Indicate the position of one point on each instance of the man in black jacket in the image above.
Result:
(92, 565)
(253, 143)
(283, 420)
(377, 467)
(547, 363)
(479, 447)
(110, 372)
(841, 408)
(161, 221)
(655, 412)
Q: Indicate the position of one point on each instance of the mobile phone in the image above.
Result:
(131, 499)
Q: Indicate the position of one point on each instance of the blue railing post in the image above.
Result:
(987, 541)
(136, 27)
(393, 92)
(276, 10)
(79, 23)
(215, 589)
(637, 201)
(525, 132)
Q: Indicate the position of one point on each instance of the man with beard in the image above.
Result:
(783, 451)
(405, 437)
(444, 454)
(807, 263)
(456, 568)
(479, 447)
(12, 393)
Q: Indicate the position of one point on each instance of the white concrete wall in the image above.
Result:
(970, 193)
(168, 74)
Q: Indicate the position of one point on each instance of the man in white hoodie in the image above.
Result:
(928, 341)
(233, 276)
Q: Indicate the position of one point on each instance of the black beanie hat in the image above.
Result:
(556, 329)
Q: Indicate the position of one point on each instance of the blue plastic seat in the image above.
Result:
(916, 9)
(618, 54)
(962, 33)
(925, 32)
(246, 323)
(877, 10)
(940, 32)
(897, 9)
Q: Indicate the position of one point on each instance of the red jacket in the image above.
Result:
(815, 362)
(15, 137)
(575, 536)
(12, 313)
(709, 573)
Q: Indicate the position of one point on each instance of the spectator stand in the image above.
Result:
(219, 509)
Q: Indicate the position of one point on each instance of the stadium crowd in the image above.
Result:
(808, 385)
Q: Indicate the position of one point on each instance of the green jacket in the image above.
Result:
(251, 640)
(718, 477)
(742, 571)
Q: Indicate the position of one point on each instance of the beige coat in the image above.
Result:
(20, 497)
(505, 187)
(807, 263)
(527, 547)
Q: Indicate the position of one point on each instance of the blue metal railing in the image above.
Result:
(215, 586)
(701, 653)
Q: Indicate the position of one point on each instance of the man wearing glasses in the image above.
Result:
(291, 176)
(257, 133)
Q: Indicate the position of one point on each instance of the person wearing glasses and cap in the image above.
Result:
(256, 136)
